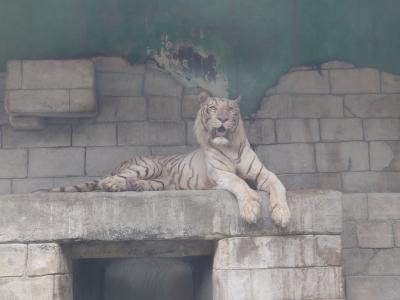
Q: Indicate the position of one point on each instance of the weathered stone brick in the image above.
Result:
(345, 156)
(14, 75)
(41, 102)
(384, 262)
(287, 158)
(384, 206)
(190, 137)
(83, 101)
(151, 133)
(63, 287)
(101, 134)
(355, 207)
(396, 229)
(385, 156)
(5, 186)
(117, 65)
(276, 106)
(57, 74)
(329, 181)
(52, 136)
(164, 108)
(171, 150)
(160, 83)
(32, 288)
(27, 122)
(373, 287)
(13, 163)
(390, 83)
(328, 250)
(44, 259)
(297, 130)
(370, 182)
(12, 259)
(336, 64)
(304, 82)
(3, 114)
(374, 234)
(260, 131)
(119, 84)
(190, 106)
(328, 214)
(382, 129)
(349, 235)
(355, 81)
(341, 129)
(113, 109)
(56, 162)
(100, 161)
(27, 185)
(356, 261)
(2, 85)
(373, 105)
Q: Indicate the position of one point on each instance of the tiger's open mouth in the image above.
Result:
(220, 131)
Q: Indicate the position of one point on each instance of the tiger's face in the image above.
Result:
(219, 118)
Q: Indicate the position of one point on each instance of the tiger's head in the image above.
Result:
(218, 121)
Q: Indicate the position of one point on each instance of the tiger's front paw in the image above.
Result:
(113, 184)
(250, 208)
(280, 214)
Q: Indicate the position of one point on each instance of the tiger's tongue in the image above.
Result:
(220, 132)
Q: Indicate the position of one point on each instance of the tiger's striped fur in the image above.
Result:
(224, 161)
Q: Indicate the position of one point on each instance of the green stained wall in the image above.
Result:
(255, 41)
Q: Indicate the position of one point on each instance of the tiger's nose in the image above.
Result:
(223, 119)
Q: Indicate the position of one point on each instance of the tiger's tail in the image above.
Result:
(89, 186)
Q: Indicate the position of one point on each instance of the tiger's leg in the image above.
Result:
(137, 168)
(146, 185)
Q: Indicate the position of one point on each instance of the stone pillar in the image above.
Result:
(278, 268)
(35, 271)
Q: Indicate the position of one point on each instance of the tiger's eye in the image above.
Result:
(212, 108)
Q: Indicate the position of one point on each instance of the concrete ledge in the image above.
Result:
(207, 215)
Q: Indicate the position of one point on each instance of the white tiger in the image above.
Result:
(223, 161)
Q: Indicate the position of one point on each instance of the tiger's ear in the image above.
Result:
(238, 98)
(203, 96)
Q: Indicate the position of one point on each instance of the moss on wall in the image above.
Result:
(255, 41)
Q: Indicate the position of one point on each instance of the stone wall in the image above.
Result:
(337, 127)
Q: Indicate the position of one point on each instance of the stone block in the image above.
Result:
(297, 130)
(390, 83)
(171, 150)
(371, 182)
(100, 161)
(28, 185)
(304, 82)
(355, 207)
(356, 261)
(117, 65)
(190, 137)
(3, 114)
(53, 136)
(56, 162)
(82, 102)
(160, 83)
(396, 229)
(32, 288)
(12, 259)
(5, 186)
(57, 74)
(384, 262)
(244, 253)
(341, 130)
(63, 287)
(355, 81)
(326, 181)
(385, 156)
(27, 122)
(373, 287)
(287, 158)
(190, 106)
(327, 215)
(345, 156)
(382, 129)
(328, 250)
(349, 235)
(38, 102)
(232, 285)
(151, 133)
(384, 206)
(375, 234)
(44, 259)
(13, 163)
(14, 75)
(163, 108)
(113, 109)
(260, 131)
(100, 134)
(119, 84)
(301, 106)
(336, 64)
(373, 105)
